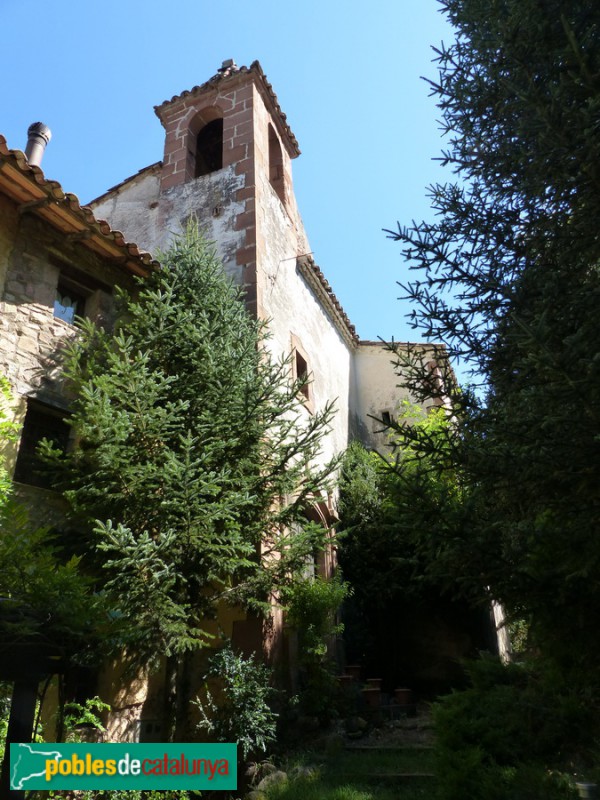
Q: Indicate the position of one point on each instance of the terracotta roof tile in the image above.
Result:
(27, 185)
(320, 285)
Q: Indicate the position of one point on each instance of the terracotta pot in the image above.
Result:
(354, 671)
(372, 697)
(403, 696)
(374, 683)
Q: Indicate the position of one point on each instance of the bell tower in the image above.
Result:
(227, 156)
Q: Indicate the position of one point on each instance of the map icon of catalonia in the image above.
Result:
(28, 761)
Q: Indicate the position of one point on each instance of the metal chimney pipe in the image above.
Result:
(38, 137)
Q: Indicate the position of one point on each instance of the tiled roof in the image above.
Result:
(28, 187)
(233, 73)
(320, 286)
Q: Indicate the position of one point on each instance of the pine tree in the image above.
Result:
(194, 456)
(508, 278)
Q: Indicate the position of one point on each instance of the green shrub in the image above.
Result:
(5, 698)
(242, 713)
(510, 736)
(87, 714)
(311, 609)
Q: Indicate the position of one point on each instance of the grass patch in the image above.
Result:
(358, 775)
(318, 789)
(315, 790)
(382, 762)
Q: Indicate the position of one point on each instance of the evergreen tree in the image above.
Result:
(508, 279)
(194, 456)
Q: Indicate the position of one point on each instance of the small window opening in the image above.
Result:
(386, 418)
(41, 422)
(209, 148)
(69, 301)
(276, 174)
(302, 374)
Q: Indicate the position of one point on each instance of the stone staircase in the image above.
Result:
(396, 754)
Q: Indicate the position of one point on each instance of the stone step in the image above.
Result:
(384, 776)
(399, 747)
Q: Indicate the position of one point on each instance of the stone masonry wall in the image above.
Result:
(30, 335)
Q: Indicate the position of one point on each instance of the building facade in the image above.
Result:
(56, 260)
(227, 162)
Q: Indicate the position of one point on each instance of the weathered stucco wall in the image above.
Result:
(286, 300)
(132, 208)
(376, 391)
(151, 219)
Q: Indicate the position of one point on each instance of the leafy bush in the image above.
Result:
(311, 609)
(87, 715)
(242, 712)
(509, 735)
(5, 697)
(9, 434)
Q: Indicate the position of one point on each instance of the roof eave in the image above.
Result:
(33, 193)
(331, 305)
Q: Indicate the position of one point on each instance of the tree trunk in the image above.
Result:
(184, 682)
(170, 698)
(20, 728)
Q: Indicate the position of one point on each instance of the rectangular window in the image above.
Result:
(150, 731)
(41, 422)
(69, 301)
(302, 372)
(76, 292)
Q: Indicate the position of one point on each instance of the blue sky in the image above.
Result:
(347, 74)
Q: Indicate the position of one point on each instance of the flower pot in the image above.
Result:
(374, 683)
(354, 671)
(403, 696)
(372, 697)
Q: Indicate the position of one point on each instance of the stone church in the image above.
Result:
(227, 162)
